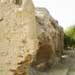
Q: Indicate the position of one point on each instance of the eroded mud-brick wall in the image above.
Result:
(50, 36)
(26, 36)
(18, 38)
(46, 54)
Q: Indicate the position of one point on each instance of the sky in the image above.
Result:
(61, 10)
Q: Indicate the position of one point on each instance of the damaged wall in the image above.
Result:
(28, 37)
(50, 36)
(18, 38)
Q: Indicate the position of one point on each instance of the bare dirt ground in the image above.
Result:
(66, 66)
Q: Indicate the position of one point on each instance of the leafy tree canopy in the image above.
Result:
(69, 38)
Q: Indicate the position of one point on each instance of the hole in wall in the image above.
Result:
(18, 2)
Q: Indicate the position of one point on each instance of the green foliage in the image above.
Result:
(69, 36)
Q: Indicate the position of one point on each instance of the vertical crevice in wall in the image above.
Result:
(18, 2)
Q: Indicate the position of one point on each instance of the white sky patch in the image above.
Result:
(62, 10)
